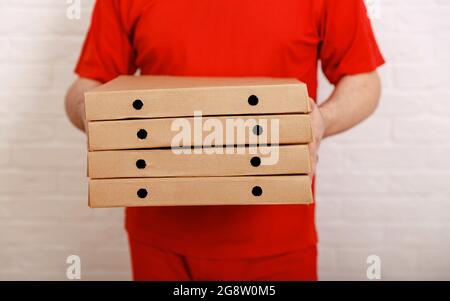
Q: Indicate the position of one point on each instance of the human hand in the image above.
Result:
(318, 130)
(82, 116)
(75, 101)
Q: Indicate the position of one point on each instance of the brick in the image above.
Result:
(422, 129)
(384, 158)
(351, 184)
(420, 76)
(63, 75)
(438, 102)
(63, 234)
(26, 130)
(43, 49)
(50, 157)
(26, 183)
(437, 158)
(425, 184)
(370, 131)
(397, 48)
(407, 20)
(4, 49)
(67, 134)
(4, 157)
(329, 156)
(54, 207)
(441, 47)
(428, 235)
(327, 258)
(339, 234)
(20, 20)
(329, 209)
(72, 183)
(25, 76)
(394, 210)
(41, 104)
(386, 21)
(400, 103)
(435, 263)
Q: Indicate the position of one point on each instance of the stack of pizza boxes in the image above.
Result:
(182, 141)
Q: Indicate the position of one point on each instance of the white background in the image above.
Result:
(383, 188)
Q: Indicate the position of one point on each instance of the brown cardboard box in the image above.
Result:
(154, 133)
(171, 96)
(131, 117)
(200, 191)
(288, 159)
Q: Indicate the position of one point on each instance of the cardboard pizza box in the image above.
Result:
(233, 161)
(251, 190)
(198, 131)
(175, 96)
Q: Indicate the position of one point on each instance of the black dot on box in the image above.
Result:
(257, 191)
(142, 134)
(142, 193)
(253, 100)
(141, 164)
(257, 130)
(138, 104)
(255, 161)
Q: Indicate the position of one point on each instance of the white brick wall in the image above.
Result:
(382, 187)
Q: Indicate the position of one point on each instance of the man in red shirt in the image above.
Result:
(233, 38)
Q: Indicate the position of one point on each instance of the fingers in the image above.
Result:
(312, 104)
(317, 131)
(313, 158)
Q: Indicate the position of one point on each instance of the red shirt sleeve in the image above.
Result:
(348, 45)
(107, 51)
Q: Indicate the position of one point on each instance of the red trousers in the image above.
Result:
(152, 264)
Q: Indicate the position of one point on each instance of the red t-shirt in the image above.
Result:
(228, 38)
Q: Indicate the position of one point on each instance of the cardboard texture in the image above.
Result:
(134, 123)
(200, 191)
(232, 162)
(171, 96)
(126, 134)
